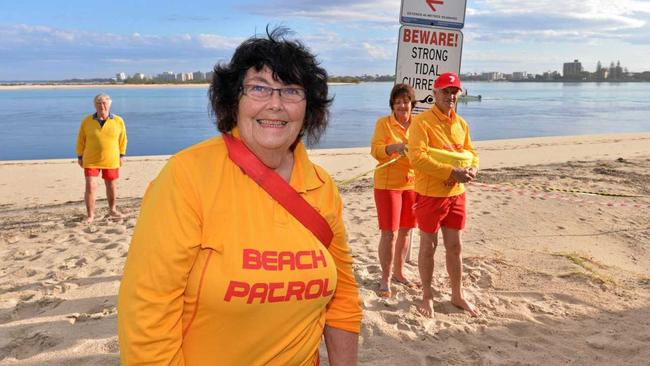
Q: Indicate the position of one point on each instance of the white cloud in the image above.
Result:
(214, 41)
(53, 37)
(550, 20)
(381, 11)
(376, 52)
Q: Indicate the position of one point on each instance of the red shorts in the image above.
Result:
(107, 174)
(395, 209)
(434, 212)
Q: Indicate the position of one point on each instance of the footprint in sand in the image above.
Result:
(97, 272)
(373, 268)
(28, 346)
(91, 229)
(111, 246)
(73, 262)
(63, 238)
(71, 223)
(22, 254)
(116, 230)
(24, 273)
(101, 240)
(24, 309)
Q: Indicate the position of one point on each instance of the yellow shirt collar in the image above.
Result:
(443, 117)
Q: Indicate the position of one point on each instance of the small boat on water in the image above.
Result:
(463, 98)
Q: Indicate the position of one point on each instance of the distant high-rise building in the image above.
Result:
(138, 76)
(198, 75)
(519, 75)
(184, 76)
(120, 76)
(572, 70)
(492, 76)
(551, 75)
(167, 76)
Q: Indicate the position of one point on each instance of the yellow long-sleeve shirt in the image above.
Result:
(101, 147)
(219, 273)
(433, 129)
(398, 175)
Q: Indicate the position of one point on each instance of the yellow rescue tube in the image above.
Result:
(462, 159)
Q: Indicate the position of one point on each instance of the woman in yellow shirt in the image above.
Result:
(218, 271)
(394, 194)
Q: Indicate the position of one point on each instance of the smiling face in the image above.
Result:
(269, 127)
(446, 98)
(401, 106)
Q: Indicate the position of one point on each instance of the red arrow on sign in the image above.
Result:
(431, 2)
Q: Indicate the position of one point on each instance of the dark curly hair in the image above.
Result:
(291, 63)
(398, 91)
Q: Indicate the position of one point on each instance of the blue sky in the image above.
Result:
(57, 39)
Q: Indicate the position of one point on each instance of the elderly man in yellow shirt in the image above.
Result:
(439, 184)
(101, 146)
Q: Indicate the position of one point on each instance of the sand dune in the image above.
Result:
(560, 278)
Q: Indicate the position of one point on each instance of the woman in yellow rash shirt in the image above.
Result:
(219, 273)
(394, 194)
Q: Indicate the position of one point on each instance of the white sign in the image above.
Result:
(423, 53)
(439, 13)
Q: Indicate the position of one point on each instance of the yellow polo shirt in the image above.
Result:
(219, 273)
(398, 175)
(432, 128)
(99, 146)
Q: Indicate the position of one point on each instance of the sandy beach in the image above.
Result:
(560, 277)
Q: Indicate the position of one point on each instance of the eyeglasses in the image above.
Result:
(263, 93)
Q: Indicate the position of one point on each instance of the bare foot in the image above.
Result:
(88, 220)
(115, 214)
(466, 305)
(426, 307)
(403, 281)
(384, 289)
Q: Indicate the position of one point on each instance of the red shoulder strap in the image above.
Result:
(278, 189)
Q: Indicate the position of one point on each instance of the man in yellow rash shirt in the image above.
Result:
(441, 200)
(101, 145)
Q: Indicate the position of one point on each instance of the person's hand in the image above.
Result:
(473, 172)
(121, 161)
(80, 162)
(461, 175)
(396, 148)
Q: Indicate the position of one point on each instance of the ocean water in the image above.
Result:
(43, 123)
